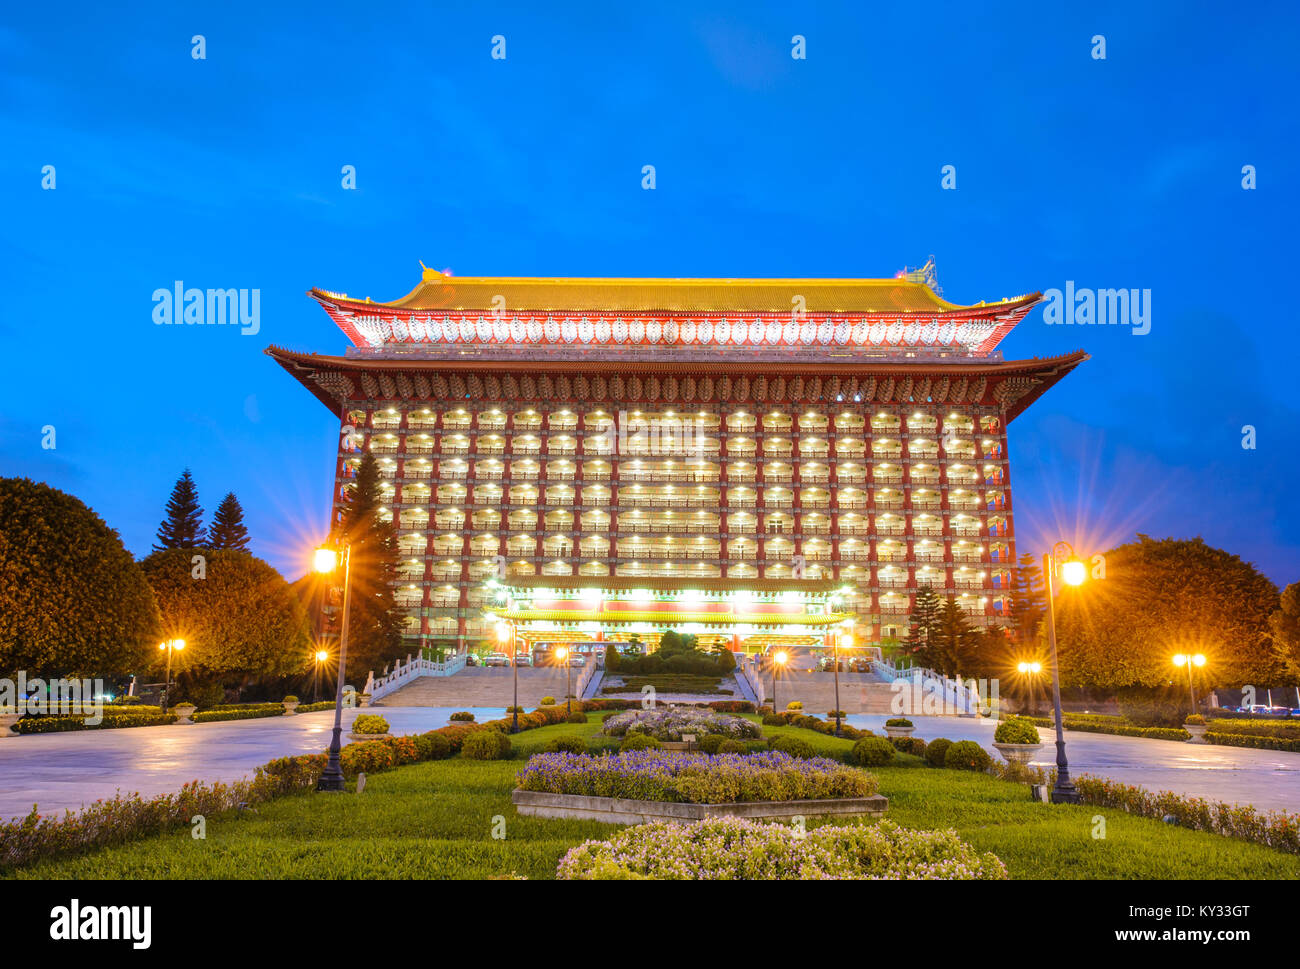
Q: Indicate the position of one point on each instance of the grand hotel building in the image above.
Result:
(754, 459)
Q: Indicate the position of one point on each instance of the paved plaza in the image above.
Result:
(67, 770)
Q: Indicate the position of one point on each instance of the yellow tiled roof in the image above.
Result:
(637, 296)
(756, 619)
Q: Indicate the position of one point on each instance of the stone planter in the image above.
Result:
(7, 720)
(366, 736)
(614, 810)
(1197, 731)
(899, 731)
(1017, 753)
(183, 712)
(364, 699)
(289, 707)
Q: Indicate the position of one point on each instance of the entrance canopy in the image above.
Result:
(758, 611)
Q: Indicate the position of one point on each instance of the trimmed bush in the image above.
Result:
(872, 752)
(290, 699)
(729, 746)
(898, 722)
(710, 742)
(369, 723)
(794, 705)
(1195, 719)
(486, 745)
(639, 741)
(548, 701)
(909, 745)
(576, 717)
(1016, 730)
(462, 716)
(936, 750)
(794, 746)
(432, 746)
(967, 755)
(567, 743)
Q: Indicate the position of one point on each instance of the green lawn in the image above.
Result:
(436, 820)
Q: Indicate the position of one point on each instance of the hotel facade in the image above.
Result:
(752, 460)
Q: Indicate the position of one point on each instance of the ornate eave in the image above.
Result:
(1011, 385)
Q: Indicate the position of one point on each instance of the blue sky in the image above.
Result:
(225, 172)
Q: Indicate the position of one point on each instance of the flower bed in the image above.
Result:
(733, 848)
(651, 775)
(126, 716)
(668, 724)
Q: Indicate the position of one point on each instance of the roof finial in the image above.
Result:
(428, 275)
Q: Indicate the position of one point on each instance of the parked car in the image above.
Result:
(496, 659)
(523, 659)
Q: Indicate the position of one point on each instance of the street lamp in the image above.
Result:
(562, 654)
(1030, 671)
(169, 647)
(505, 634)
(848, 640)
(321, 656)
(1195, 659)
(1073, 573)
(778, 659)
(326, 561)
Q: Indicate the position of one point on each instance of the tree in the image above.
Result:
(925, 620)
(238, 616)
(1285, 626)
(183, 526)
(1028, 598)
(73, 602)
(1162, 597)
(375, 623)
(228, 531)
(953, 643)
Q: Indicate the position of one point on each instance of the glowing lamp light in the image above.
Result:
(1195, 659)
(1029, 667)
(503, 633)
(780, 657)
(1073, 572)
(324, 560)
(561, 652)
(321, 656)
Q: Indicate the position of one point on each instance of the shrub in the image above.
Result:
(732, 706)
(1016, 730)
(937, 750)
(1195, 719)
(909, 745)
(366, 758)
(639, 741)
(729, 746)
(548, 701)
(462, 716)
(289, 699)
(807, 723)
(794, 746)
(514, 709)
(773, 720)
(832, 714)
(710, 742)
(486, 745)
(432, 746)
(368, 723)
(967, 755)
(576, 717)
(898, 722)
(670, 723)
(872, 752)
(739, 849)
(794, 705)
(568, 743)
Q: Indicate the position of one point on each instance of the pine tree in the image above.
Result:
(953, 642)
(1028, 599)
(228, 531)
(375, 623)
(183, 526)
(925, 620)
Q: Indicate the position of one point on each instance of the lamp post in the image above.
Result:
(1195, 659)
(505, 634)
(1030, 671)
(327, 561)
(321, 657)
(778, 659)
(836, 648)
(562, 654)
(1072, 573)
(169, 647)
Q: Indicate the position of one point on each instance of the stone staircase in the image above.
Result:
(859, 692)
(479, 686)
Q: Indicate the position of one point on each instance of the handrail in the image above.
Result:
(404, 673)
